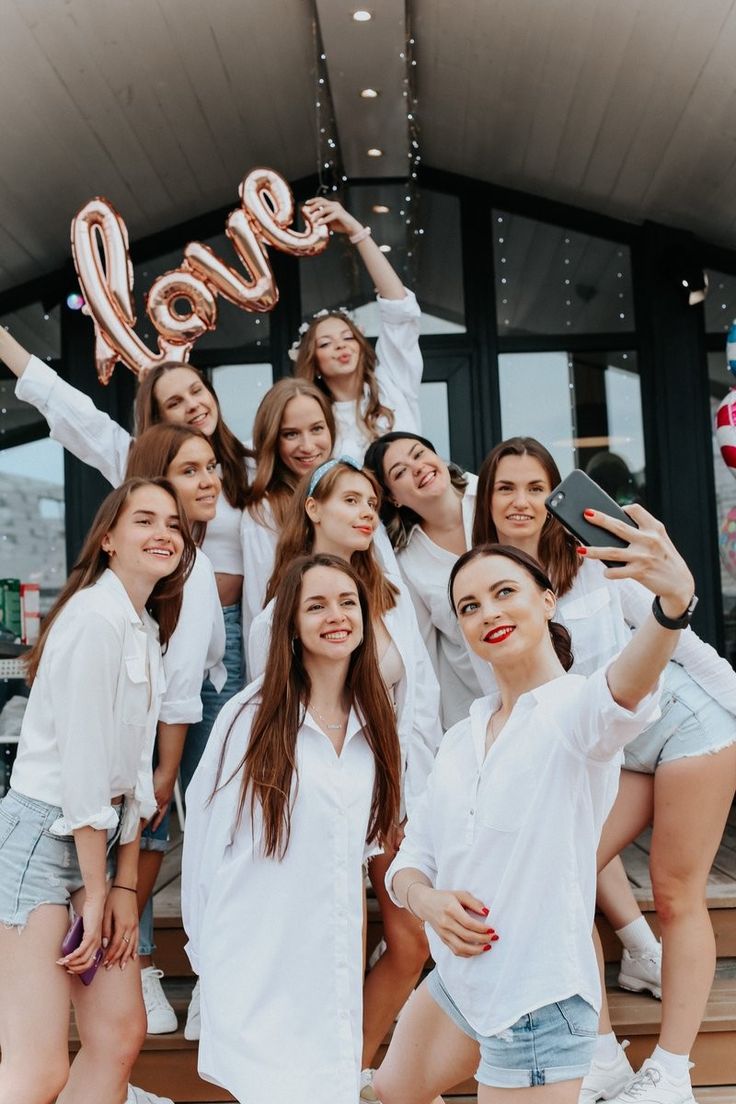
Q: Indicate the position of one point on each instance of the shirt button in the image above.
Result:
(472, 812)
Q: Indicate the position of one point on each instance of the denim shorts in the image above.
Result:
(550, 1044)
(692, 723)
(37, 868)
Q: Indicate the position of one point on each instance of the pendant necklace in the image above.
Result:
(330, 727)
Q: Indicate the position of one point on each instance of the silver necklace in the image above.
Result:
(331, 727)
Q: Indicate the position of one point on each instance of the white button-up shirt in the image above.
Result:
(90, 723)
(399, 368)
(518, 827)
(278, 945)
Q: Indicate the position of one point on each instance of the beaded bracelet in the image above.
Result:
(360, 235)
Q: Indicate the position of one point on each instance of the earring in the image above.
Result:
(294, 640)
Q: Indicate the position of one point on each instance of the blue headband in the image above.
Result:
(328, 466)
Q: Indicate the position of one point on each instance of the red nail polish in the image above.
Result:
(581, 551)
(489, 931)
(588, 513)
(487, 947)
(485, 911)
(494, 937)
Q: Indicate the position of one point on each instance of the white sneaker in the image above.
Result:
(652, 1085)
(192, 1027)
(159, 1013)
(140, 1096)
(605, 1079)
(367, 1092)
(642, 972)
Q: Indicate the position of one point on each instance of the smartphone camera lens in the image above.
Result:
(558, 498)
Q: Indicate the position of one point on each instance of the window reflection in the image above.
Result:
(240, 388)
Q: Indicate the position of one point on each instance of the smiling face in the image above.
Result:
(184, 400)
(329, 621)
(146, 542)
(336, 349)
(414, 475)
(193, 471)
(503, 613)
(345, 521)
(517, 501)
(304, 440)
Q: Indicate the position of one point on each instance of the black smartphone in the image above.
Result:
(578, 492)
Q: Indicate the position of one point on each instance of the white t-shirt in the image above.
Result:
(278, 945)
(399, 368)
(89, 727)
(518, 828)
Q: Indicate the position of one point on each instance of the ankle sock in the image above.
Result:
(606, 1049)
(676, 1066)
(637, 937)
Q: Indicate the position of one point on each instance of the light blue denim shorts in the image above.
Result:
(37, 868)
(692, 723)
(550, 1044)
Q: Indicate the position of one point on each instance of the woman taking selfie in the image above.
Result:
(516, 972)
(689, 752)
(80, 789)
(297, 786)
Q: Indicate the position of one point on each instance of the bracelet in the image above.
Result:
(129, 888)
(417, 881)
(360, 235)
(673, 623)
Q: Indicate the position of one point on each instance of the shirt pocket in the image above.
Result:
(135, 691)
(596, 636)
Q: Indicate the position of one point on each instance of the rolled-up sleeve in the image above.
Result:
(192, 646)
(598, 726)
(399, 358)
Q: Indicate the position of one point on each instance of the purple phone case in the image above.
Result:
(72, 939)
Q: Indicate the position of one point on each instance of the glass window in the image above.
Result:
(585, 408)
(435, 416)
(720, 302)
(721, 382)
(37, 329)
(235, 328)
(32, 544)
(426, 253)
(550, 280)
(240, 388)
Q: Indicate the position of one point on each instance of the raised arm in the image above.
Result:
(12, 353)
(651, 559)
(328, 212)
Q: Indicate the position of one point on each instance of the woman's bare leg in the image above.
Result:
(692, 798)
(615, 897)
(427, 1056)
(34, 1009)
(562, 1092)
(391, 981)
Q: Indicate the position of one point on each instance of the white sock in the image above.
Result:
(676, 1066)
(606, 1049)
(637, 937)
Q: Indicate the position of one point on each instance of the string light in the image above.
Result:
(329, 161)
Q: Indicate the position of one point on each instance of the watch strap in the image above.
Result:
(674, 623)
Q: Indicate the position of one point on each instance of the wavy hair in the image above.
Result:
(232, 455)
(556, 546)
(307, 368)
(561, 640)
(297, 537)
(268, 768)
(164, 603)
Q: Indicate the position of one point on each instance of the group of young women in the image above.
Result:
(360, 661)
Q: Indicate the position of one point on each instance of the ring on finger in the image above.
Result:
(125, 939)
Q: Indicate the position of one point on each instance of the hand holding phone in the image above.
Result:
(72, 941)
(577, 493)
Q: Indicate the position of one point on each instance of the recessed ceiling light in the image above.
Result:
(362, 16)
(385, 248)
(380, 209)
(369, 93)
(374, 152)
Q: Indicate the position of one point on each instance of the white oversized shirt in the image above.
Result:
(278, 945)
(96, 439)
(518, 827)
(399, 368)
(417, 692)
(90, 723)
(426, 568)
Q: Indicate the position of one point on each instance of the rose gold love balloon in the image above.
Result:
(106, 280)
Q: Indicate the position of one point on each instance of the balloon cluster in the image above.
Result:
(102, 261)
(726, 413)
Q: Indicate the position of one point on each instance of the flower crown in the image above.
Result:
(343, 311)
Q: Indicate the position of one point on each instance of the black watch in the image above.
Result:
(674, 623)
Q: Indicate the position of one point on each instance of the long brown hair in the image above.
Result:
(231, 453)
(307, 368)
(164, 603)
(400, 520)
(272, 479)
(561, 641)
(155, 450)
(556, 546)
(269, 764)
(297, 537)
